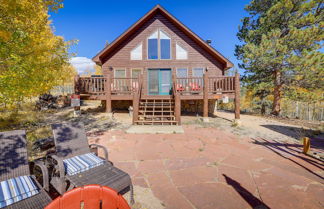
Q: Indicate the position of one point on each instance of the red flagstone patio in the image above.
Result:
(209, 168)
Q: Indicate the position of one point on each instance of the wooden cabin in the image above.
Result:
(160, 68)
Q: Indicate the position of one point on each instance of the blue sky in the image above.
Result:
(95, 22)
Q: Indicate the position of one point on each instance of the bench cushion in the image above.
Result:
(16, 189)
(81, 163)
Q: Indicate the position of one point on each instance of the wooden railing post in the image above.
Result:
(237, 96)
(108, 93)
(135, 106)
(205, 97)
(177, 107)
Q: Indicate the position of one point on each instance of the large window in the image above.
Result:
(159, 46)
(181, 53)
(198, 72)
(120, 73)
(165, 46)
(136, 53)
(152, 50)
(182, 72)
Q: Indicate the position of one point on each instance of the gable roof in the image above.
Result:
(103, 53)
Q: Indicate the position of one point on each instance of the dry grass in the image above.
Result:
(27, 118)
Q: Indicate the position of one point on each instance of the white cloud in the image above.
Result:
(82, 64)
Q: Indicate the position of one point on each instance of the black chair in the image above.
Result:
(14, 163)
(70, 141)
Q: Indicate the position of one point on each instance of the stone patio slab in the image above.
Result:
(209, 168)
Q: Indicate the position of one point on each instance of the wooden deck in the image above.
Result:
(191, 88)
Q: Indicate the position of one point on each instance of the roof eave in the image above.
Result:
(98, 58)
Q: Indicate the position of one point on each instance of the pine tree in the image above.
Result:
(281, 49)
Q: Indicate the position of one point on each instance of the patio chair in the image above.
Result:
(18, 188)
(75, 165)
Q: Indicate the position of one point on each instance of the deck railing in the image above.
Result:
(96, 85)
(92, 85)
(189, 85)
(184, 86)
(195, 85)
(124, 85)
(224, 84)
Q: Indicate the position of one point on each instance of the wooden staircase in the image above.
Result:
(156, 112)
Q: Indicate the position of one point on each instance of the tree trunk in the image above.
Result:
(277, 94)
(263, 108)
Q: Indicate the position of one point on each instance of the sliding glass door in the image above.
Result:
(159, 81)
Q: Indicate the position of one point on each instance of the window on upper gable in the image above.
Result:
(159, 46)
(136, 53)
(152, 49)
(181, 53)
(165, 46)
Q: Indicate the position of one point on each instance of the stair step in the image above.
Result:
(157, 107)
(154, 105)
(158, 116)
(156, 111)
(162, 122)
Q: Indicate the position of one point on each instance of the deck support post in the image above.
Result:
(136, 100)
(77, 109)
(205, 98)
(108, 93)
(177, 107)
(135, 107)
(237, 96)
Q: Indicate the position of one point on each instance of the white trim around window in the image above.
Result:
(181, 52)
(138, 68)
(137, 52)
(119, 69)
(202, 69)
(156, 34)
(182, 68)
(168, 37)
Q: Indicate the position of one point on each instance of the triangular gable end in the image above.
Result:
(103, 53)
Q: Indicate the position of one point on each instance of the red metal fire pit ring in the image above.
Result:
(90, 196)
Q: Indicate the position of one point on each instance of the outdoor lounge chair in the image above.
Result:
(19, 189)
(75, 165)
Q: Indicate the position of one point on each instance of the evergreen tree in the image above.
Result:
(281, 49)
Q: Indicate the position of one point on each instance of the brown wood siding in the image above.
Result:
(197, 57)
